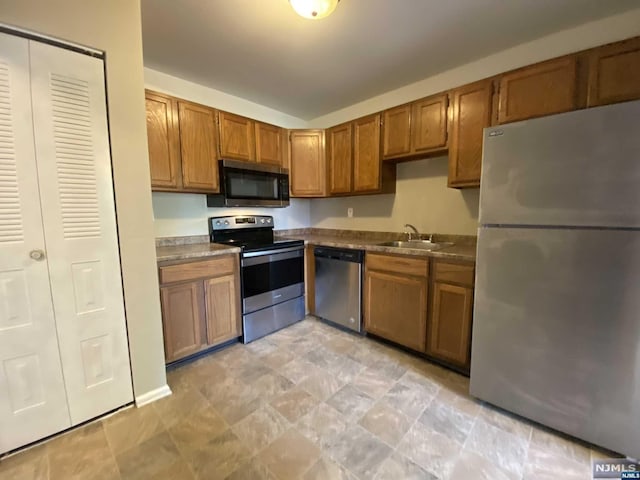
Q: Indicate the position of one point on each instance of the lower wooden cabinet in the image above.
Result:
(183, 319)
(200, 305)
(398, 293)
(310, 279)
(451, 311)
(395, 299)
(221, 307)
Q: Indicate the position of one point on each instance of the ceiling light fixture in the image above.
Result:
(314, 9)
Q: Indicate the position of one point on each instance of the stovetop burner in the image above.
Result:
(251, 233)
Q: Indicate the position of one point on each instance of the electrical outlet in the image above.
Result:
(349, 212)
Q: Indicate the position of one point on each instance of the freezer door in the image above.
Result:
(556, 334)
(580, 168)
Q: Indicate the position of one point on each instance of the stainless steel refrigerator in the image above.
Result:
(556, 335)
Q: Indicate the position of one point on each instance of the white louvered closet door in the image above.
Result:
(33, 403)
(74, 170)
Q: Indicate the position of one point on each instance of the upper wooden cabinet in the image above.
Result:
(198, 147)
(340, 158)
(164, 141)
(355, 165)
(614, 73)
(367, 169)
(397, 132)
(471, 113)
(237, 137)
(541, 89)
(429, 124)
(270, 143)
(183, 147)
(308, 164)
(415, 129)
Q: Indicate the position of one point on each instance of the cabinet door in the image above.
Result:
(449, 336)
(308, 165)
(269, 146)
(397, 132)
(614, 73)
(164, 141)
(366, 154)
(396, 308)
(542, 89)
(471, 113)
(183, 319)
(340, 158)
(198, 147)
(237, 136)
(222, 302)
(429, 123)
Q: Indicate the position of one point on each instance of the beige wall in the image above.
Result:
(178, 214)
(421, 199)
(194, 92)
(114, 26)
(588, 35)
(422, 196)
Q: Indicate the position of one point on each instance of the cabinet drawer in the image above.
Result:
(404, 265)
(214, 267)
(453, 273)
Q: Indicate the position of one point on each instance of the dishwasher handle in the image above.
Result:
(342, 254)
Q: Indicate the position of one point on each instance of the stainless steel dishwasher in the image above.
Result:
(339, 286)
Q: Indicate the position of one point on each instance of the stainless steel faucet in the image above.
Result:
(409, 233)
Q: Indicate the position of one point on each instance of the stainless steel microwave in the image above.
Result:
(244, 184)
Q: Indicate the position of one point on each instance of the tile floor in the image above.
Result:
(309, 402)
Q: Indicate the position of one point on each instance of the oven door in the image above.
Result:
(260, 185)
(271, 277)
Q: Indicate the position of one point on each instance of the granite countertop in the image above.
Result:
(192, 251)
(175, 249)
(463, 251)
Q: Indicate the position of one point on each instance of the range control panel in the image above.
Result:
(234, 222)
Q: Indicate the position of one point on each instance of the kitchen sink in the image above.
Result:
(417, 244)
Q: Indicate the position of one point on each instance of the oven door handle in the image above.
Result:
(264, 256)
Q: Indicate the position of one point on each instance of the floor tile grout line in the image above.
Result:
(411, 427)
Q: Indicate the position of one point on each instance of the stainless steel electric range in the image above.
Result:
(272, 273)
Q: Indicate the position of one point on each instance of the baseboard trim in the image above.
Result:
(153, 395)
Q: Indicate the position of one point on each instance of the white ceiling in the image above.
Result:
(262, 51)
